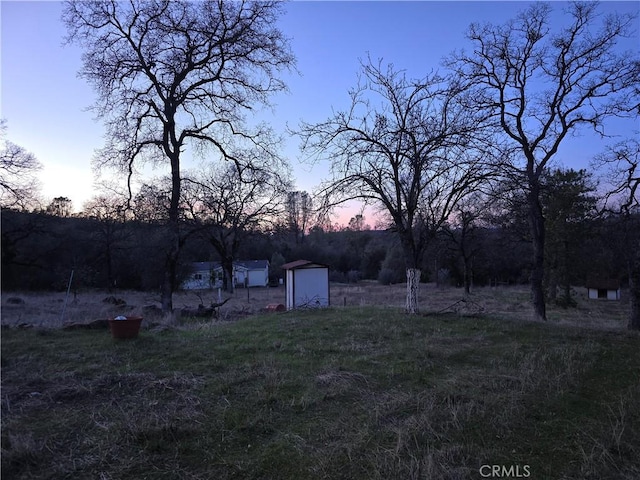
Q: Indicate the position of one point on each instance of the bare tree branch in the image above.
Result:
(18, 185)
(172, 73)
(408, 146)
(540, 87)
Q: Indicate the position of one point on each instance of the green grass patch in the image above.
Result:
(342, 393)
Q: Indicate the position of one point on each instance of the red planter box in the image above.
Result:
(128, 328)
(275, 307)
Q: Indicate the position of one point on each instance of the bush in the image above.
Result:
(337, 276)
(354, 276)
(388, 276)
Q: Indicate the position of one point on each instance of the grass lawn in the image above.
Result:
(357, 392)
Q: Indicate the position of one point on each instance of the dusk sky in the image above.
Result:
(45, 103)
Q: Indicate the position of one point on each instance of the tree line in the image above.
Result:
(484, 243)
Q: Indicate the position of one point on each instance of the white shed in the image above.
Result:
(599, 289)
(307, 284)
(252, 273)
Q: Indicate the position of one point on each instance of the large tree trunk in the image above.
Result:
(536, 222)
(413, 285)
(634, 291)
(171, 261)
(227, 274)
(170, 268)
(468, 275)
(166, 296)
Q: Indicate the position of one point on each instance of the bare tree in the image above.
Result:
(228, 203)
(356, 223)
(60, 207)
(151, 203)
(298, 213)
(172, 73)
(540, 87)
(111, 234)
(623, 162)
(18, 184)
(405, 146)
(462, 229)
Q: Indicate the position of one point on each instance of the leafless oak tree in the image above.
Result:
(18, 184)
(405, 146)
(111, 233)
(462, 230)
(540, 87)
(60, 207)
(226, 204)
(299, 210)
(151, 203)
(623, 163)
(172, 73)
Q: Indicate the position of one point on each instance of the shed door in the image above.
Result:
(311, 287)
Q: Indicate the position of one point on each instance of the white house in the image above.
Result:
(251, 273)
(209, 275)
(598, 289)
(203, 276)
(307, 284)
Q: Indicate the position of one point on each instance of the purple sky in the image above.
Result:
(45, 104)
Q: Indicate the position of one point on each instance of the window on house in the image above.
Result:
(198, 276)
(602, 293)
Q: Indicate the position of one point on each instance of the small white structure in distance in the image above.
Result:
(251, 273)
(208, 275)
(600, 289)
(306, 284)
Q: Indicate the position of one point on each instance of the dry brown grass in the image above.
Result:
(507, 302)
(46, 309)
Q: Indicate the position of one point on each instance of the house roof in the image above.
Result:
(603, 284)
(253, 264)
(303, 264)
(204, 266)
(242, 264)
